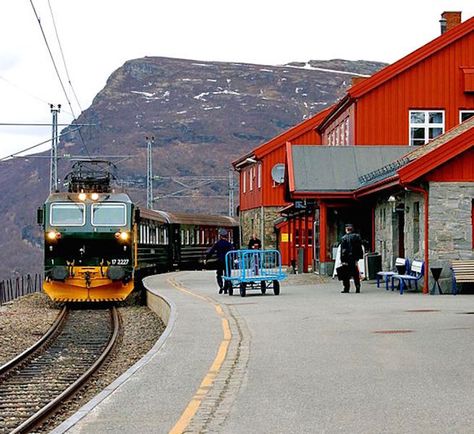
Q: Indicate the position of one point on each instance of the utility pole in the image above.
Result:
(149, 174)
(53, 180)
(231, 193)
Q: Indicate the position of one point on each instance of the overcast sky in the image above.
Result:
(98, 36)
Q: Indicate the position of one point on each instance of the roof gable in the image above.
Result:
(438, 152)
(393, 70)
(412, 59)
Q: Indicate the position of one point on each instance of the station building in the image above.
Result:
(351, 162)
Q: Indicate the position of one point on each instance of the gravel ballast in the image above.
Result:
(24, 321)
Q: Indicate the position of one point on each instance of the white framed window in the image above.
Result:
(109, 214)
(259, 176)
(68, 214)
(425, 125)
(244, 181)
(251, 176)
(464, 115)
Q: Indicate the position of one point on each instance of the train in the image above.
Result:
(98, 244)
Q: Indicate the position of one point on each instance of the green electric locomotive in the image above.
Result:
(98, 244)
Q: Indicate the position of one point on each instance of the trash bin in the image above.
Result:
(373, 264)
(302, 261)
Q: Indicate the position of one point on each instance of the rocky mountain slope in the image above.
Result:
(202, 116)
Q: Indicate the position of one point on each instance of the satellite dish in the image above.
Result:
(278, 173)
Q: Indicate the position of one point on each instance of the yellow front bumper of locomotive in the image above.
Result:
(88, 284)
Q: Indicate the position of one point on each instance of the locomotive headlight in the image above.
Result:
(122, 236)
(82, 196)
(53, 235)
(94, 196)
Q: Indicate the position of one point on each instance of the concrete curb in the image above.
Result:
(166, 310)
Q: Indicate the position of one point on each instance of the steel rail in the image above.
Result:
(48, 409)
(58, 323)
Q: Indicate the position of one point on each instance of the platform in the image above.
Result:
(309, 360)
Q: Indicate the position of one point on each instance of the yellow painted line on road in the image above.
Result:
(213, 371)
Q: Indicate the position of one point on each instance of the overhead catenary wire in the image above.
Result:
(63, 58)
(56, 70)
(34, 146)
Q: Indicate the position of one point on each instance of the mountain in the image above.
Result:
(202, 115)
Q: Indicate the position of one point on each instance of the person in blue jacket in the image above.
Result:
(220, 249)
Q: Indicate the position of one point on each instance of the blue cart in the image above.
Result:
(253, 269)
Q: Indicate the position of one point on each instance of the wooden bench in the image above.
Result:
(416, 272)
(387, 275)
(463, 272)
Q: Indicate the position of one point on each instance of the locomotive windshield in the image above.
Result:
(109, 214)
(67, 214)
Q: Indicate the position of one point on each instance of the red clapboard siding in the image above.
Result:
(437, 82)
(459, 169)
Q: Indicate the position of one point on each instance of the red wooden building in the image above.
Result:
(407, 103)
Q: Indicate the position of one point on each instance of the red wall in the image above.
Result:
(271, 194)
(459, 169)
(435, 83)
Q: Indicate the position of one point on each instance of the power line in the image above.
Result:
(34, 146)
(29, 93)
(62, 56)
(57, 71)
(25, 124)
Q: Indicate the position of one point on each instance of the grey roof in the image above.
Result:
(339, 168)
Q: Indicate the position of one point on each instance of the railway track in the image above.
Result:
(35, 383)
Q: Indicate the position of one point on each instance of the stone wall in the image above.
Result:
(387, 227)
(450, 225)
(260, 221)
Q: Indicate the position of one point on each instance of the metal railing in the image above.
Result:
(18, 286)
(253, 265)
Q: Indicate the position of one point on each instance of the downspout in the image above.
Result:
(426, 227)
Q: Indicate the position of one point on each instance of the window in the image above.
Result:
(251, 176)
(68, 214)
(109, 214)
(425, 125)
(244, 181)
(259, 176)
(464, 115)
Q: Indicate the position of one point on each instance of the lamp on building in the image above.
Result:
(393, 200)
(250, 160)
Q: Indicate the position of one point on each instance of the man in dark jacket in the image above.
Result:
(220, 249)
(255, 243)
(351, 252)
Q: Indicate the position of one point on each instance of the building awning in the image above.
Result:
(336, 169)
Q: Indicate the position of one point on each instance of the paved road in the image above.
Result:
(313, 360)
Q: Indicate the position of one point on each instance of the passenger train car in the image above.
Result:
(98, 244)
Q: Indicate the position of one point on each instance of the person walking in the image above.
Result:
(351, 252)
(254, 242)
(220, 249)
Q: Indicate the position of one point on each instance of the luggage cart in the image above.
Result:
(253, 269)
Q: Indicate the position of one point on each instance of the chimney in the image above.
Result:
(449, 20)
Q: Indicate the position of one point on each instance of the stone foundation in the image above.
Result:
(261, 222)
